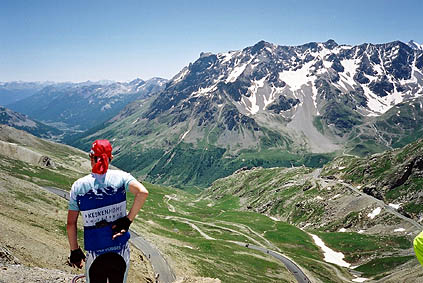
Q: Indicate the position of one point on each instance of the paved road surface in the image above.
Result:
(158, 262)
(292, 267)
(58, 192)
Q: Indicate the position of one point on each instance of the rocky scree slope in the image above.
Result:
(395, 177)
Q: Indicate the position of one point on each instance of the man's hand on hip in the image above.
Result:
(120, 226)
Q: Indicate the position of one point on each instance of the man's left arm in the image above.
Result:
(141, 194)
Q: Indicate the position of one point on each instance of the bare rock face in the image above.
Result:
(47, 162)
(6, 257)
(21, 153)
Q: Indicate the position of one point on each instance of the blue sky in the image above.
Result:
(83, 40)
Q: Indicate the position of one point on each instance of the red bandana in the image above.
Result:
(102, 149)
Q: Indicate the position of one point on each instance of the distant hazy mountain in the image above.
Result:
(11, 92)
(23, 122)
(270, 105)
(84, 105)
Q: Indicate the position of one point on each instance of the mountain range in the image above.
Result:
(76, 107)
(270, 105)
(232, 115)
(23, 122)
(11, 92)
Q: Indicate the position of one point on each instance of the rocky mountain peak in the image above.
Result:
(330, 44)
(313, 98)
(136, 81)
(259, 46)
(280, 82)
(415, 45)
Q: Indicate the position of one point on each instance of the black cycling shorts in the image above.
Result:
(110, 266)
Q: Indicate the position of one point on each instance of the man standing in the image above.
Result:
(101, 199)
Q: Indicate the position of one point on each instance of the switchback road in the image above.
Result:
(290, 265)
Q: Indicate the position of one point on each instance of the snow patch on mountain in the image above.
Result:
(106, 107)
(236, 72)
(347, 76)
(395, 206)
(204, 91)
(374, 213)
(415, 45)
(225, 57)
(181, 75)
(253, 99)
(267, 100)
(330, 255)
(295, 79)
(415, 74)
(380, 105)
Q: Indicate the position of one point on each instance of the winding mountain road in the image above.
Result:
(316, 175)
(389, 209)
(290, 265)
(381, 203)
(158, 262)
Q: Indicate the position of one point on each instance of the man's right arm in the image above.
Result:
(71, 228)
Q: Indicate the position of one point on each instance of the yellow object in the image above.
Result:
(418, 247)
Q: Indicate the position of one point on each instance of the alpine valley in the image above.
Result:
(23, 122)
(76, 107)
(310, 152)
(270, 105)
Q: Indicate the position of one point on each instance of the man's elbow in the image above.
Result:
(143, 193)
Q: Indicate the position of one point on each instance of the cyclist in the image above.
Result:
(100, 197)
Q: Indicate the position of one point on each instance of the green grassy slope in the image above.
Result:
(169, 213)
(197, 233)
(297, 197)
